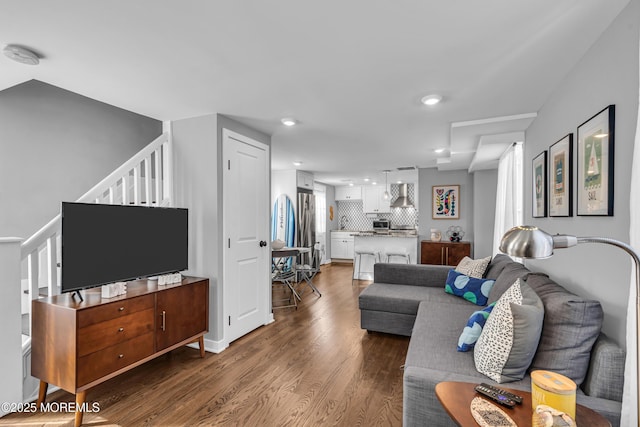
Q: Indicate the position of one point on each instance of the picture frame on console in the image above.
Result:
(539, 187)
(595, 162)
(445, 202)
(561, 178)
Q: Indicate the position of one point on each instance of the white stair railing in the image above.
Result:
(144, 179)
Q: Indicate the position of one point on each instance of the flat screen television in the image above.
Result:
(114, 243)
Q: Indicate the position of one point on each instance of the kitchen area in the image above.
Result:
(374, 228)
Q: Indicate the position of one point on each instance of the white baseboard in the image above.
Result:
(211, 346)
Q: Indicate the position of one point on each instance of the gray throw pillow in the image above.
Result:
(510, 336)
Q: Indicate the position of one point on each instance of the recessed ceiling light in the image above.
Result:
(399, 182)
(297, 163)
(366, 180)
(21, 55)
(351, 184)
(288, 121)
(431, 99)
(438, 150)
(374, 183)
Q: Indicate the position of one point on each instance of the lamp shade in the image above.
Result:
(526, 241)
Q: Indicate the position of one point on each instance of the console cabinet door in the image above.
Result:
(181, 313)
(443, 253)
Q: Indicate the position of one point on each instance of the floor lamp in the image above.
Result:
(527, 241)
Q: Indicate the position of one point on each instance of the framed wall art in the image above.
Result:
(540, 185)
(445, 202)
(561, 177)
(595, 161)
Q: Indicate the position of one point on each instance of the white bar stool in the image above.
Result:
(359, 252)
(399, 253)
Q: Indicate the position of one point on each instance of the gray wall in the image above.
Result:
(429, 177)
(55, 145)
(607, 74)
(485, 184)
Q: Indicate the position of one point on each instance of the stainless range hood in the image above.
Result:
(403, 199)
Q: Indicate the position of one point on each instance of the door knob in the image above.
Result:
(263, 243)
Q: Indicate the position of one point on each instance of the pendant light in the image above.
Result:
(386, 194)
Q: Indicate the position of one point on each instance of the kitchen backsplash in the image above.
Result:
(356, 219)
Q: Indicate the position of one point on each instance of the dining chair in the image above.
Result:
(283, 273)
(308, 271)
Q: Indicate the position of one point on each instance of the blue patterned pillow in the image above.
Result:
(472, 331)
(469, 288)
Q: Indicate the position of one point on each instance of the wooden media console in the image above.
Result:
(76, 345)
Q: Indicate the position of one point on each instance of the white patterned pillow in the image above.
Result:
(510, 337)
(473, 267)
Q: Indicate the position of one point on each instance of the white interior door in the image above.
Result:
(246, 280)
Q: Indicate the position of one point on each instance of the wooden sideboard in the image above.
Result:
(443, 253)
(76, 345)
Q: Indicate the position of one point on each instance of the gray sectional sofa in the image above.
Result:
(410, 300)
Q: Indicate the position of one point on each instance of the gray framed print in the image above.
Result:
(539, 190)
(595, 160)
(561, 177)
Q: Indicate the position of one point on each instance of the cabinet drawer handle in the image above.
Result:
(121, 309)
(120, 329)
(442, 256)
(164, 317)
(120, 356)
(447, 256)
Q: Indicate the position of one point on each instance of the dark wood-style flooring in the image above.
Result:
(313, 366)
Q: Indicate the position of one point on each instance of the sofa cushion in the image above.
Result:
(507, 277)
(473, 267)
(571, 326)
(510, 337)
(473, 290)
(402, 299)
(471, 332)
(497, 264)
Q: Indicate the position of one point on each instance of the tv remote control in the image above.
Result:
(495, 396)
(514, 397)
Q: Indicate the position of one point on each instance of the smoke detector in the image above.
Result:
(21, 55)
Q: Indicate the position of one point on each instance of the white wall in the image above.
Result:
(485, 184)
(284, 182)
(195, 150)
(55, 145)
(607, 74)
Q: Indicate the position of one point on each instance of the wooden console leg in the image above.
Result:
(201, 344)
(80, 396)
(42, 393)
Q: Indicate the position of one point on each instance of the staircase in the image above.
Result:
(145, 179)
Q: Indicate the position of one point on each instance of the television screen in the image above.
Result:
(113, 243)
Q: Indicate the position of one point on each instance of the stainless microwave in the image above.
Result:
(381, 224)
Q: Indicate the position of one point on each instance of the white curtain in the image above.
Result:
(629, 397)
(509, 193)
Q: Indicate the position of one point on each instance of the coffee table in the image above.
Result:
(455, 398)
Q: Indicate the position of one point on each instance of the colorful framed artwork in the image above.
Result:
(540, 185)
(595, 164)
(445, 202)
(561, 177)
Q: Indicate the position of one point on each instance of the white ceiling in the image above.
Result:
(352, 72)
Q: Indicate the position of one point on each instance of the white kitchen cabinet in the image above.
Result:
(373, 200)
(304, 180)
(341, 245)
(347, 192)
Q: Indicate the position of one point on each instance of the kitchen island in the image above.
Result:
(383, 243)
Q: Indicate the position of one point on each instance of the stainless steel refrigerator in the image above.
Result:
(306, 226)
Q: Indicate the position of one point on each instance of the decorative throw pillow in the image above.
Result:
(509, 339)
(472, 331)
(469, 288)
(473, 267)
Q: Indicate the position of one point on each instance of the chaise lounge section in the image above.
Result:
(410, 300)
